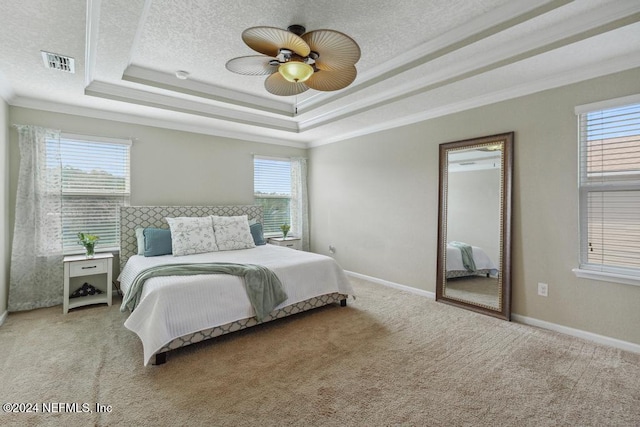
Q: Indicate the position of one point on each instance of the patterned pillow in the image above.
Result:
(192, 235)
(232, 232)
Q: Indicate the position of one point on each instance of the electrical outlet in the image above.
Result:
(543, 289)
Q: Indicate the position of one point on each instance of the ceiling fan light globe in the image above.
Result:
(296, 72)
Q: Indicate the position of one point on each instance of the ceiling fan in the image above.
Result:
(296, 60)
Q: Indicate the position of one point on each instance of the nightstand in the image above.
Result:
(289, 242)
(81, 267)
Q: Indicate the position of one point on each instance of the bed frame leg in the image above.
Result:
(343, 302)
(160, 358)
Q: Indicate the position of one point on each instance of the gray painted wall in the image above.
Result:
(473, 213)
(375, 198)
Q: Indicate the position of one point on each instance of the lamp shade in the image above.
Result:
(296, 71)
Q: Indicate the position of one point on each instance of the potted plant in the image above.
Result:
(285, 230)
(89, 243)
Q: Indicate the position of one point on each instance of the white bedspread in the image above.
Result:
(480, 257)
(173, 306)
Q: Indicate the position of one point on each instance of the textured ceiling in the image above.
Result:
(420, 59)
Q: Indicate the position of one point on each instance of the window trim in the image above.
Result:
(276, 159)
(586, 270)
(603, 105)
(606, 276)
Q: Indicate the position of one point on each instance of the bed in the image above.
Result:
(456, 268)
(175, 311)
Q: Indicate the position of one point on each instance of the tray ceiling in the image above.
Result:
(420, 59)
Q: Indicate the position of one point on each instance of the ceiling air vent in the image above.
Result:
(58, 62)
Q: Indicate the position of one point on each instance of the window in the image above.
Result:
(95, 183)
(272, 190)
(610, 189)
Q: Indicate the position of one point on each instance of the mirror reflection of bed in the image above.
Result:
(473, 226)
(472, 275)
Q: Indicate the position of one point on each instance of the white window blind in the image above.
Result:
(95, 183)
(610, 189)
(272, 190)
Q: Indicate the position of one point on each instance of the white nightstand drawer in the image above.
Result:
(88, 267)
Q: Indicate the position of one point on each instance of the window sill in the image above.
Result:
(607, 277)
(113, 250)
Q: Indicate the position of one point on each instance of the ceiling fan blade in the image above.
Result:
(332, 80)
(336, 50)
(269, 40)
(255, 65)
(277, 85)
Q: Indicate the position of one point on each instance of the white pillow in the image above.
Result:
(232, 232)
(140, 240)
(192, 235)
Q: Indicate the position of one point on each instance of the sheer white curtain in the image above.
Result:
(36, 278)
(299, 201)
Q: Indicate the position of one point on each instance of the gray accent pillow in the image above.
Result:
(157, 241)
(257, 234)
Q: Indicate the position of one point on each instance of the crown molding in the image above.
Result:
(150, 99)
(54, 107)
(243, 108)
(91, 39)
(566, 78)
(509, 15)
(581, 28)
(148, 77)
(569, 77)
(409, 76)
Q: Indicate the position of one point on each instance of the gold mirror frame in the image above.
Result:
(503, 143)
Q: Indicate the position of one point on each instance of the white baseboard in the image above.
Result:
(578, 333)
(405, 288)
(3, 317)
(600, 339)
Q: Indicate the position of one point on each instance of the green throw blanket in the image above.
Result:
(467, 255)
(262, 285)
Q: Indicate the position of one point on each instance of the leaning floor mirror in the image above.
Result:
(474, 224)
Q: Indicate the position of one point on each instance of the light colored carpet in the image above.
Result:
(389, 358)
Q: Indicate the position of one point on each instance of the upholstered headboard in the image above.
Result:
(132, 217)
